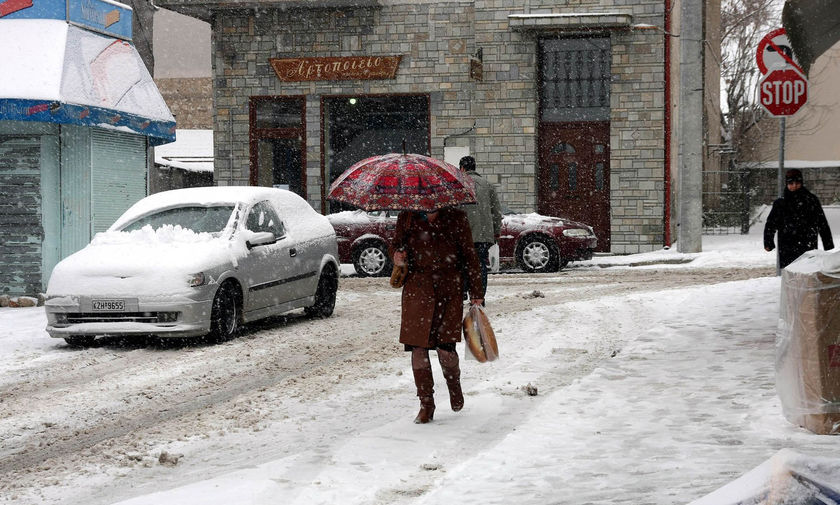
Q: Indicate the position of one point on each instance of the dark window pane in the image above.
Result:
(562, 147)
(554, 181)
(363, 126)
(262, 218)
(279, 113)
(575, 79)
(573, 176)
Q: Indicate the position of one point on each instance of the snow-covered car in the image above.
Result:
(198, 261)
(533, 242)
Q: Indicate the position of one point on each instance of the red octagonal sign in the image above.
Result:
(783, 92)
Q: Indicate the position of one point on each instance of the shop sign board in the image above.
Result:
(335, 68)
(103, 16)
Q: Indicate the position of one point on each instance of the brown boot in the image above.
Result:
(425, 383)
(452, 374)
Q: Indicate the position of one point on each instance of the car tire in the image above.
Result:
(371, 259)
(80, 340)
(537, 254)
(226, 313)
(325, 294)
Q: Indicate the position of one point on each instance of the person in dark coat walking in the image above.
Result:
(799, 218)
(485, 215)
(437, 248)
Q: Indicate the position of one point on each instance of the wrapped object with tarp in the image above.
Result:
(808, 342)
(787, 478)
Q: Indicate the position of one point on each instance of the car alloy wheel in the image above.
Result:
(224, 317)
(325, 294)
(537, 254)
(372, 260)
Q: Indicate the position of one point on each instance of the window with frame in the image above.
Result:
(263, 218)
(575, 79)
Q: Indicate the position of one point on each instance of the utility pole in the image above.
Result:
(689, 235)
(780, 177)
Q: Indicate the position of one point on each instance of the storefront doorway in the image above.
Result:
(277, 143)
(357, 127)
(574, 132)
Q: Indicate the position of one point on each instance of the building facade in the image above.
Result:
(566, 108)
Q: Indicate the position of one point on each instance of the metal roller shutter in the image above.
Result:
(118, 175)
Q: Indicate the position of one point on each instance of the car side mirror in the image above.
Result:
(260, 238)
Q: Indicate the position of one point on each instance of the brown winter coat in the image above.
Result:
(438, 253)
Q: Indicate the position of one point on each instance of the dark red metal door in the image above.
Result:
(574, 174)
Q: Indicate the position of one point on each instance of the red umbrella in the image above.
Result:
(403, 182)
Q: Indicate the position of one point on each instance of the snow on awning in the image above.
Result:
(55, 72)
(191, 151)
(569, 21)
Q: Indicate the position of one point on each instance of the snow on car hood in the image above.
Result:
(349, 217)
(142, 262)
(531, 221)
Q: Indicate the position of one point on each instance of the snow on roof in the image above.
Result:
(33, 52)
(210, 195)
(792, 164)
(192, 151)
(48, 59)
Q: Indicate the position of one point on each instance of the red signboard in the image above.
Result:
(335, 68)
(783, 92)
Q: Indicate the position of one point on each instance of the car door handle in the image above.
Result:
(292, 252)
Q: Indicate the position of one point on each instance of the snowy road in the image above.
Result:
(104, 424)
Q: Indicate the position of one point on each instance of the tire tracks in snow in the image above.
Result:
(84, 398)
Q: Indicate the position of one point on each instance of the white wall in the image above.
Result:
(181, 46)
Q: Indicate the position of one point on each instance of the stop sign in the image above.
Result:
(783, 92)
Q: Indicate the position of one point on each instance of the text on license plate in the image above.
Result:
(108, 304)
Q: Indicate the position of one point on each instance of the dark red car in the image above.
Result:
(533, 242)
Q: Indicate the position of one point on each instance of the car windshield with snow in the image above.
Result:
(196, 261)
(533, 242)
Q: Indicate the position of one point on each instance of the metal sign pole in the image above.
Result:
(781, 179)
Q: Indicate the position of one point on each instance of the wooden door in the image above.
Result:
(574, 174)
(277, 142)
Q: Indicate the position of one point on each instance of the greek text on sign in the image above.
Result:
(783, 92)
(335, 68)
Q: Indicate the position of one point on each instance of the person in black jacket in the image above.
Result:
(798, 217)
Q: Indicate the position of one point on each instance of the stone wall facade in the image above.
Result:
(823, 181)
(436, 40)
(190, 100)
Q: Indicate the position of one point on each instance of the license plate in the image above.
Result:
(109, 305)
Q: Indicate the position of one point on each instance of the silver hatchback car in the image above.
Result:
(196, 261)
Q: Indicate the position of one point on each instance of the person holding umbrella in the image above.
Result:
(437, 248)
(434, 243)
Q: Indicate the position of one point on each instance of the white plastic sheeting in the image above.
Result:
(787, 478)
(808, 342)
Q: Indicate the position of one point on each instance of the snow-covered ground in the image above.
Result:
(683, 402)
